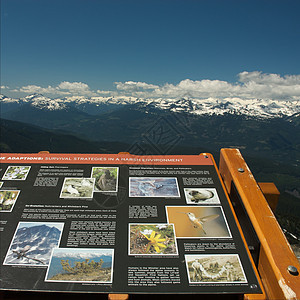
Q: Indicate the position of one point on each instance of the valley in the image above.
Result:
(268, 134)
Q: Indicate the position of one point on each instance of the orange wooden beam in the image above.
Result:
(276, 257)
(271, 193)
(118, 296)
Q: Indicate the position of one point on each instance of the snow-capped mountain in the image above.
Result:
(33, 245)
(43, 102)
(82, 254)
(211, 106)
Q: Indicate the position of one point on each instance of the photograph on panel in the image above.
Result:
(153, 187)
(198, 221)
(33, 242)
(106, 179)
(218, 268)
(81, 265)
(77, 188)
(8, 199)
(16, 173)
(201, 196)
(152, 239)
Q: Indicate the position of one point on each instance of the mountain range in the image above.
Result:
(211, 106)
(155, 126)
(267, 132)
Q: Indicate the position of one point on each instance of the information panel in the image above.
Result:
(119, 224)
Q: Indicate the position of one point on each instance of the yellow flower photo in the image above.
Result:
(154, 239)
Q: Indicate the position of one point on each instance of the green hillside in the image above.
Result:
(270, 148)
(17, 137)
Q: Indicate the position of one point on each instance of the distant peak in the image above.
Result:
(259, 108)
(33, 96)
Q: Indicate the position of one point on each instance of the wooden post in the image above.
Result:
(118, 296)
(271, 193)
(276, 259)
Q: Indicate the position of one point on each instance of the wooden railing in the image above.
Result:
(277, 265)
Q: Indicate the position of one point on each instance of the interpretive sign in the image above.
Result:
(119, 224)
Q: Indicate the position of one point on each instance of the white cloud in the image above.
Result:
(64, 88)
(35, 89)
(2, 87)
(271, 86)
(104, 92)
(269, 79)
(198, 89)
(76, 88)
(135, 86)
(250, 85)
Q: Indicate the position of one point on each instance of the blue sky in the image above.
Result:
(89, 45)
